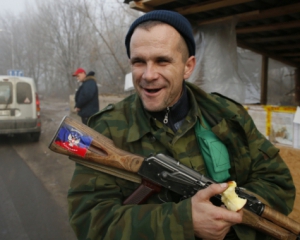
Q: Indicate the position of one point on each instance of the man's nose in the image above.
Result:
(150, 72)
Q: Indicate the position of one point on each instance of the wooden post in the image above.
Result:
(264, 80)
(297, 86)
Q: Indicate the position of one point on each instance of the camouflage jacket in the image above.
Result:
(95, 199)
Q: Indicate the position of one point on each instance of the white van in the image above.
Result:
(19, 107)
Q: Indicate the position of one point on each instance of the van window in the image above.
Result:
(5, 92)
(24, 93)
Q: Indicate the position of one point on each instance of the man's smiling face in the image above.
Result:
(159, 66)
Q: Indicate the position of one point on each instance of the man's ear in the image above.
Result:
(189, 67)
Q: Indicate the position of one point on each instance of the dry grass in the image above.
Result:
(292, 158)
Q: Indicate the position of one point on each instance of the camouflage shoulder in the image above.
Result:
(96, 116)
(114, 111)
(231, 108)
(226, 101)
(227, 98)
(108, 108)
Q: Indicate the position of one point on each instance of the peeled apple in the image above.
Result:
(231, 200)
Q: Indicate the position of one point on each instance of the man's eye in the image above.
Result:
(162, 60)
(136, 62)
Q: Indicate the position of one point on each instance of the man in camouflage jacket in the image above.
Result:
(95, 198)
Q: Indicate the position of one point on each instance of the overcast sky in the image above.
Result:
(14, 6)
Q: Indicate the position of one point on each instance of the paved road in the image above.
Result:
(27, 209)
(34, 182)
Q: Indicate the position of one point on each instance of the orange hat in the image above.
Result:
(79, 70)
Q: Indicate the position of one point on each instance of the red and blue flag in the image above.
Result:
(73, 140)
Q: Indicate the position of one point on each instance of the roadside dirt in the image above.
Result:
(291, 157)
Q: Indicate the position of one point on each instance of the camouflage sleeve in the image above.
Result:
(269, 176)
(256, 163)
(260, 167)
(96, 212)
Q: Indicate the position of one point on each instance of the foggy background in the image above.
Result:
(49, 39)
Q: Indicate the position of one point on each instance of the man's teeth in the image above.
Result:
(152, 90)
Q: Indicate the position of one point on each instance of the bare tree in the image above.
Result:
(56, 37)
(7, 42)
(66, 32)
(110, 22)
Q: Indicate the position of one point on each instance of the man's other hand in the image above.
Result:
(212, 222)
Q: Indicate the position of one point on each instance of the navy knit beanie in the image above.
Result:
(176, 20)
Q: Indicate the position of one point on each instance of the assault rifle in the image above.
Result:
(88, 147)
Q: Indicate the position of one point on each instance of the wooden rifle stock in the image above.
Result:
(98, 152)
(267, 227)
(281, 220)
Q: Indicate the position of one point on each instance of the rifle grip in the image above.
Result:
(142, 193)
(281, 220)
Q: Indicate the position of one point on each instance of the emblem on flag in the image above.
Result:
(73, 140)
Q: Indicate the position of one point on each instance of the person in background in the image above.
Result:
(86, 97)
(169, 115)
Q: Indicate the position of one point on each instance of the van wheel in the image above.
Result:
(35, 137)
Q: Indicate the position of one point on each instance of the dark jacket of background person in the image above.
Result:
(86, 97)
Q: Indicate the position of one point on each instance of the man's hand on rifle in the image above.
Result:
(211, 222)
